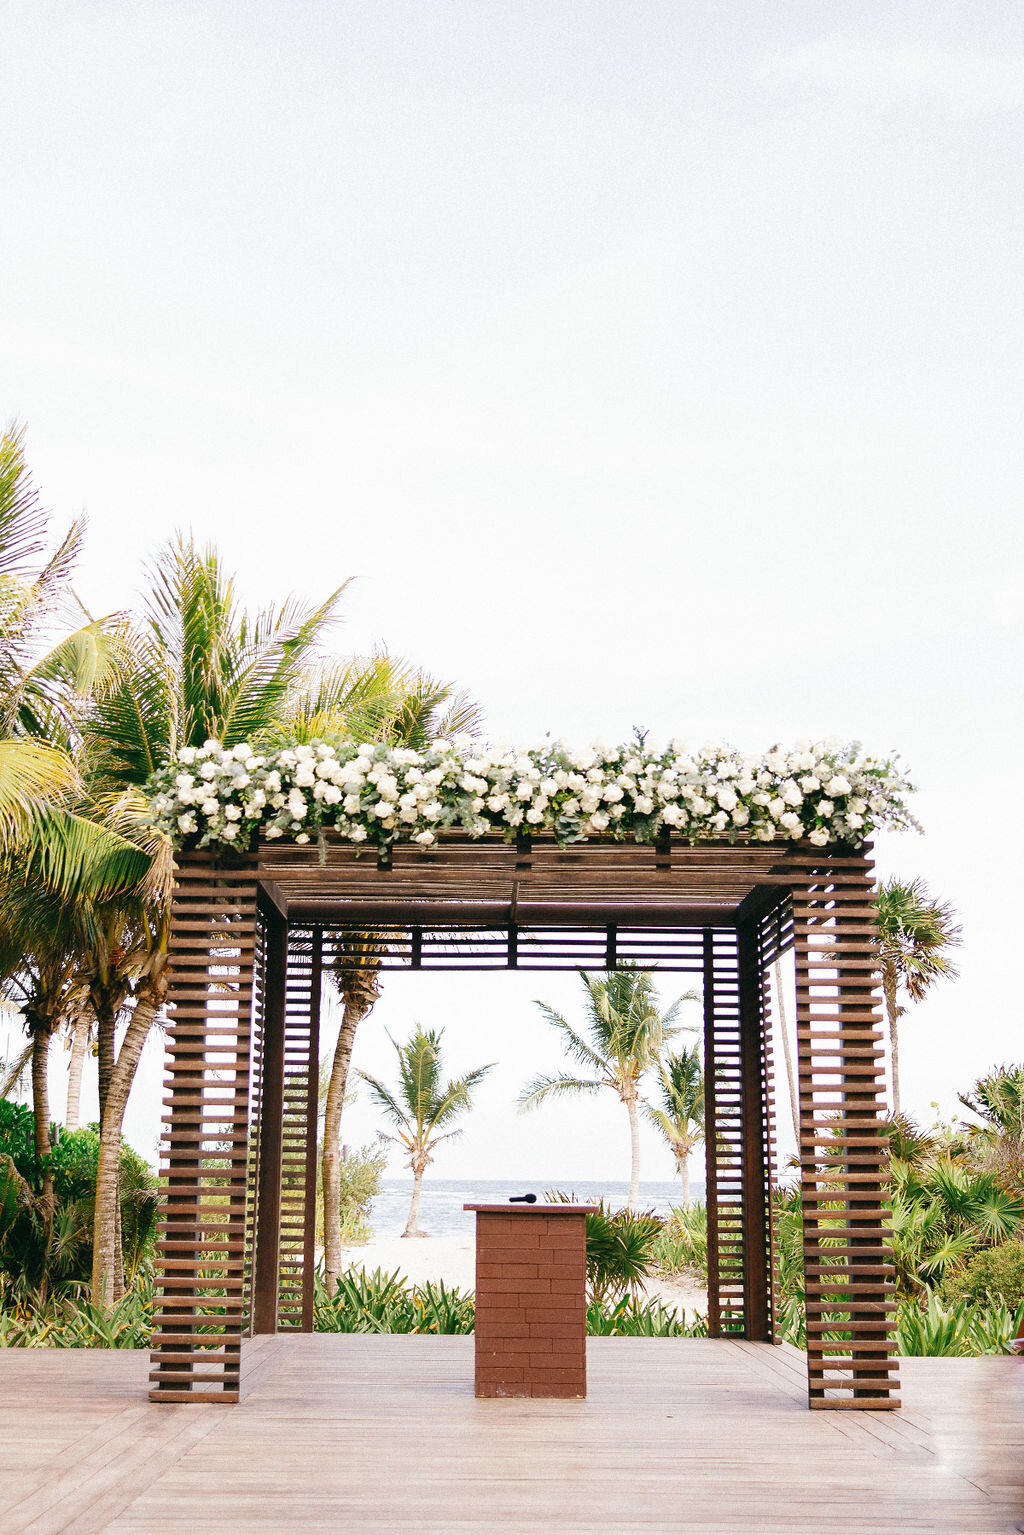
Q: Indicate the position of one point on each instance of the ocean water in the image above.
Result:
(442, 1215)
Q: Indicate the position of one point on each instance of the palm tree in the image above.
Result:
(54, 848)
(627, 1034)
(915, 934)
(422, 1105)
(195, 665)
(680, 1116)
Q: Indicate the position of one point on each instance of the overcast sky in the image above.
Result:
(649, 363)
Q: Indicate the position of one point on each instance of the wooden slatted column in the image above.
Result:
(259, 982)
(299, 1130)
(758, 1130)
(269, 1128)
(200, 1265)
(849, 1275)
(723, 1133)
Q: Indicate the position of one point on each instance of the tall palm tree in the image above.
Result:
(680, 1114)
(916, 934)
(195, 665)
(422, 1105)
(54, 848)
(409, 709)
(626, 1036)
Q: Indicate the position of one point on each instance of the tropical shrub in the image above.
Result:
(992, 1276)
(41, 1252)
(74, 1322)
(388, 1303)
(682, 1242)
(380, 1302)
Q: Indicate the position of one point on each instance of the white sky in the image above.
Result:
(653, 363)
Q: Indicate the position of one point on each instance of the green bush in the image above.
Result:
(38, 1252)
(992, 1276)
(388, 1303)
(683, 1240)
(75, 1323)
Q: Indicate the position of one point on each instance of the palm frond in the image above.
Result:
(561, 1086)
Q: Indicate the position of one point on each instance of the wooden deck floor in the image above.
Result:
(365, 1434)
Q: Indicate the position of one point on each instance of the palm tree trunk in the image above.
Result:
(794, 1101)
(412, 1228)
(79, 1045)
(889, 985)
(683, 1158)
(106, 1031)
(634, 1150)
(351, 1018)
(41, 1111)
(107, 1265)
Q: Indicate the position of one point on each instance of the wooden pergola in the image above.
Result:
(252, 935)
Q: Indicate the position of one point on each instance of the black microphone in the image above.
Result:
(522, 1199)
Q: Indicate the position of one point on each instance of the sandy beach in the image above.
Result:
(453, 1259)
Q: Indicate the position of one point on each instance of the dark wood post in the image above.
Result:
(268, 1176)
(200, 1258)
(723, 1134)
(754, 1092)
(847, 1256)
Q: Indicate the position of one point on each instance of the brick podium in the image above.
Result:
(531, 1300)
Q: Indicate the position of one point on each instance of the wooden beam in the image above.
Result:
(268, 1178)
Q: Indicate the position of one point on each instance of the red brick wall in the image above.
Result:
(531, 1272)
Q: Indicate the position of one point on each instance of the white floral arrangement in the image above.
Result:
(826, 793)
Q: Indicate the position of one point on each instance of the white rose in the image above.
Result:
(740, 816)
(187, 754)
(825, 808)
(186, 823)
(837, 786)
(331, 794)
(535, 815)
(776, 806)
(242, 751)
(273, 831)
(433, 810)
(809, 783)
(208, 770)
(819, 837)
(357, 833)
(598, 820)
(232, 813)
(854, 820)
(721, 820)
(789, 821)
(424, 838)
(589, 800)
(727, 798)
(209, 807)
(303, 836)
(790, 792)
(229, 831)
(643, 804)
(184, 781)
(497, 802)
(611, 794)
